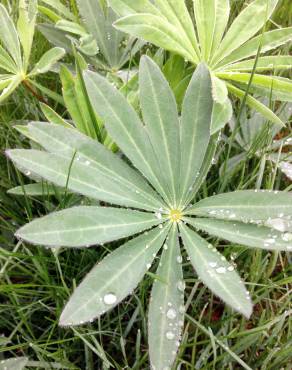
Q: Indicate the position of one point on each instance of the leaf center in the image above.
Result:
(175, 215)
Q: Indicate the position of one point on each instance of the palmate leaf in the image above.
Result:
(166, 308)
(112, 279)
(47, 61)
(85, 226)
(162, 23)
(263, 64)
(216, 272)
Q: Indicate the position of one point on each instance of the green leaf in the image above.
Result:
(246, 205)
(53, 116)
(177, 14)
(47, 61)
(6, 62)
(267, 41)
(81, 175)
(219, 89)
(9, 37)
(195, 128)
(248, 23)
(124, 127)
(35, 190)
(221, 114)
(9, 89)
(128, 7)
(222, 11)
(263, 64)
(166, 309)
(112, 279)
(245, 234)
(85, 226)
(216, 272)
(26, 27)
(161, 119)
(270, 83)
(256, 104)
(15, 363)
(206, 165)
(71, 27)
(93, 18)
(65, 142)
(158, 31)
(211, 20)
(60, 8)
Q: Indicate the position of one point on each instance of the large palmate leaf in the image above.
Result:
(167, 24)
(216, 272)
(166, 309)
(162, 189)
(85, 226)
(111, 280)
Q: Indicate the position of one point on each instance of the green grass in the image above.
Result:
(36, 282)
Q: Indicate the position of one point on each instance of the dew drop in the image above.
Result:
(179, 259)
(221, 270)
(212, 264)
(170, 335)
(171, 314)
(287, 237)
(181, 285)
(230, 268)
(110, 298)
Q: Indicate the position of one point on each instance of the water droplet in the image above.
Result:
(87, 163)
(286, 237)
(221, 270)
(181, 285)
(158, 215)
(179, 259)
(170, 335)
(110, 298)
(212, 264)
(171, 314)
(182, 309)
(230, 268)
(148, 265)
(27, 173)
(160, 226)
(165, 246)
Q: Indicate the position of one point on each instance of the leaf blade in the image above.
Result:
(117, 274)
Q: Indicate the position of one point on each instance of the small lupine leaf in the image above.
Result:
(85, 226)
(247, 206)
(160, 116)
(16, 363)
(6, 62)
(222, 11)
(38, 189)
(216, 272)
(166, 309)
(247, 24)
(123, 126)
(48, 60)
(245, 234)
(195, 127)
(111, 280)
(59, 140)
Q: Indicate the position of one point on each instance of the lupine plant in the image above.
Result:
(15, 50)
(229, 52)
(153, 201)
(94, 35)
